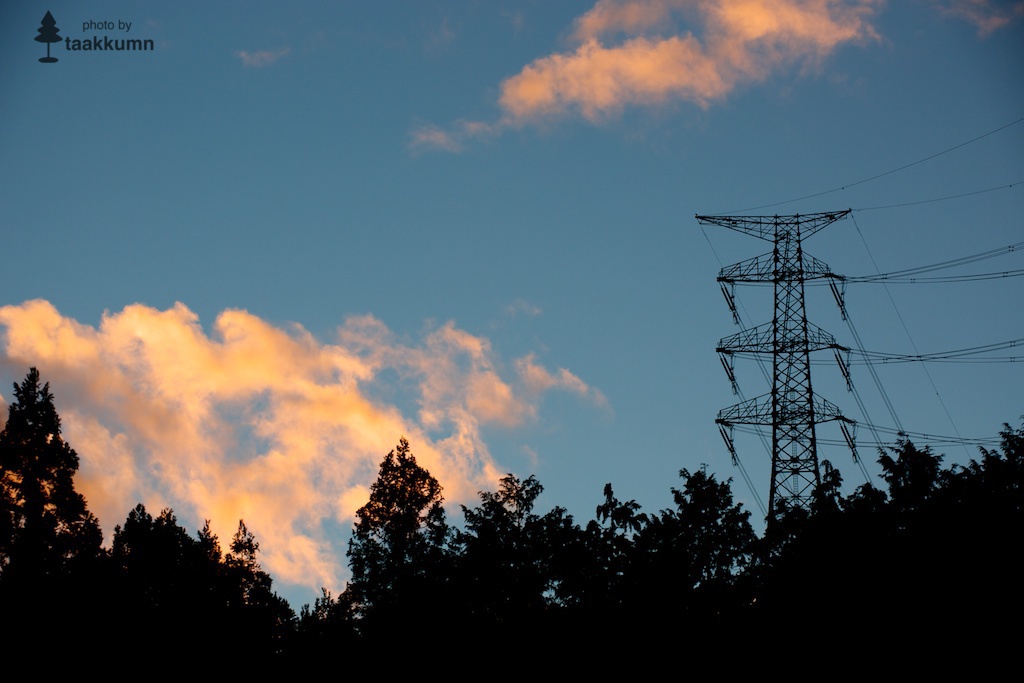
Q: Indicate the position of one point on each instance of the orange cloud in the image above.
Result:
(253, 421)
(626, 16)
(633, 52)
(538, 380)
(742, 40)
(598, 81)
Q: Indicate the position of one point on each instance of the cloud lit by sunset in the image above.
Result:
(741, 40)
(653, 52)
(265, 423)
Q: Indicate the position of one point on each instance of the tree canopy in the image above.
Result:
(929, 551)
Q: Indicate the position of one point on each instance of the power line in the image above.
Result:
(942, 265)
(877, 380)
(909, 275)
(881, 175)
(930, 439)
(956, 354)
(947, 279)
(865, 357)
(906, 330)
(940, 199)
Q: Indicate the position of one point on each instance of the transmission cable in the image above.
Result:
(942, 265)
(880, 175)
(909, 275)
(940, 199)
(875, 377)
(942, 280)
(906, 330)
(920, 437)
(864, 357)
(953, 355)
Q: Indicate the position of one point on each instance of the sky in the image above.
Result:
(250, 259)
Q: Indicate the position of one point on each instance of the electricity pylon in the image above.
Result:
(791, 408)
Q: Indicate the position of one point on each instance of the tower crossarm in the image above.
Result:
(754, 340)
(826, 411)
(767, 227)
(758, 411)
(760, 339)
(754, 411)
(757, 269)
(764, 268)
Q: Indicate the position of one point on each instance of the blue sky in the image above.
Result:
(251, 259)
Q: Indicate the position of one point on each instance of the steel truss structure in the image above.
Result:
(791, 408)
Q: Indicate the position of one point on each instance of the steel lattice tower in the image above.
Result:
(791, 408)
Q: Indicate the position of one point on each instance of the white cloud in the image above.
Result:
(262, 58)
(433, 138)
(522, 306)
(440, 37)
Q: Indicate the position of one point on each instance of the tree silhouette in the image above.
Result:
(330, 623)
(257, 614)
(688, 560)
(45, 525)
(398, 540)
(609, 539)
(912, 476)
(48, 33)
(52, 567)
(620, 517)
(174, 589)
(164, 573)
(932, 556)
(515, 570)
(498, 553)
(251, 584)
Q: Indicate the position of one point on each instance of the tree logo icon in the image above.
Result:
(48, 33)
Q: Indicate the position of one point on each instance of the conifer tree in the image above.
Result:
(45, 525)
(399, 535)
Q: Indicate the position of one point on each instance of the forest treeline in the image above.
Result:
(932, 553)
